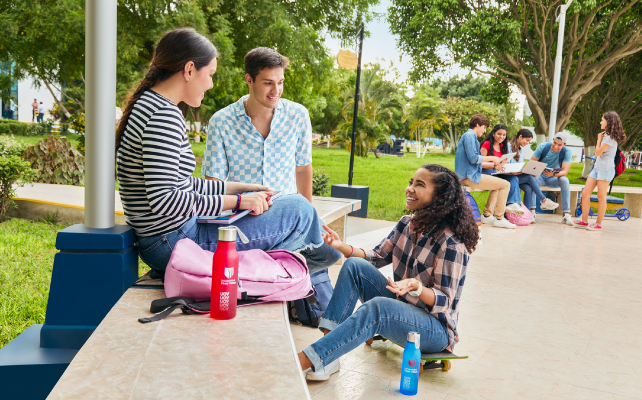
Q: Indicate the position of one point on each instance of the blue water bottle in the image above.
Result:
(411, 365)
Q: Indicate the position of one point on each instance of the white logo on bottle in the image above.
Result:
(224, 302)
(406, 382)
(229, 273)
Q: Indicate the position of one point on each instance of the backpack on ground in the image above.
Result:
(274, 275)
(309, 311)
(473, 207)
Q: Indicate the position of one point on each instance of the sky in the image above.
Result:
(382, 45)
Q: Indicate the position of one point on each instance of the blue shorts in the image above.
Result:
(601, 175)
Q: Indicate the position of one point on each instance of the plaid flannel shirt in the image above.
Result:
(440, 266)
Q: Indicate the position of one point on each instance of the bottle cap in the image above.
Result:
(413, 337)
(228, 234)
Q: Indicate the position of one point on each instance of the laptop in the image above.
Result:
(534, 168)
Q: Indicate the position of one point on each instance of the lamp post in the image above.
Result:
(561, 18)
(356, 108)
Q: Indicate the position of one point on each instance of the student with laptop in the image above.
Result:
(527, 182)
(496, 144)
(468, 166)
(558, 161)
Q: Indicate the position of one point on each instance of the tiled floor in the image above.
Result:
(548, 312)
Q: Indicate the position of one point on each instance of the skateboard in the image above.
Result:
(428, 360)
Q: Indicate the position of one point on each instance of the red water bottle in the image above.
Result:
(225, 271)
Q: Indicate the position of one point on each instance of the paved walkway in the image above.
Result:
(548, 312)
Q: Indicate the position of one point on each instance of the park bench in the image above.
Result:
(188, 356)
(632, 197)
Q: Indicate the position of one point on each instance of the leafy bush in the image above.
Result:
(77, 122)
(80, 144)
(64, 128)
(9, 146)
(11, 127)
(533, 145)
(13, 171)
(41, 128)
(56, 160)
(320, 181)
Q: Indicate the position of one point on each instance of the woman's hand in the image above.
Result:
(257, 202)
(402, 287)
(600, 136)
(331, 238)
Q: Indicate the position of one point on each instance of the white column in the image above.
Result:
(558, 70)
(100, 103)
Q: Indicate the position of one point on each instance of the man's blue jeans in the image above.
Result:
(381, 313)
(290, 224)
(531, 190)
(561, 182)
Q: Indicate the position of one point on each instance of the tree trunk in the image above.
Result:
(589, 151)
(62, 107)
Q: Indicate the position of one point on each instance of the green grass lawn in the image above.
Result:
(31, 140)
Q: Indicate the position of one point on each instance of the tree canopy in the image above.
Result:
(516, 41)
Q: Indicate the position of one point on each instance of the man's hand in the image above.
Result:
(550, 174)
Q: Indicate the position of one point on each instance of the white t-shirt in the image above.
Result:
(606, 160)
(41, 109)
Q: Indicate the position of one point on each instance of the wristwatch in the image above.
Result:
(416, 293)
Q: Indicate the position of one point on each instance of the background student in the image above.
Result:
(468, 166)
(558, 159)
(527, 182)
(603, 170)
(497, 140)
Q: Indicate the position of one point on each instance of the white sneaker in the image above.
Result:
(504, 223)
(487, 220)
(325, 373)
(549, 204)
(567, 220)
(534, 213)
(514, 208)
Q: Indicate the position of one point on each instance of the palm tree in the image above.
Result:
(377, 98)
(424, 114)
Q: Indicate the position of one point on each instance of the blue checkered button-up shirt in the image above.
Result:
(236, 151)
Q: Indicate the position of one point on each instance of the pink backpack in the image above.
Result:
(520, 220)
(274, 275)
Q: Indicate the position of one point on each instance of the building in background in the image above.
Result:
(23, 92)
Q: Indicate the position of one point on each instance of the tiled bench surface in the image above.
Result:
(192, 356)
(632, 197)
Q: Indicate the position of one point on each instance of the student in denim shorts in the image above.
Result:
(603, 170)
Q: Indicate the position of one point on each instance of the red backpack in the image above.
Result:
(620, 162)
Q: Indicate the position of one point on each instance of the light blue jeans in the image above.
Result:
(557, 182)
(381, 313)
(291, 223)
(531, 190)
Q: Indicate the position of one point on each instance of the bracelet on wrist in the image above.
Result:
(238, 203)
(417, 292)
(352, 252)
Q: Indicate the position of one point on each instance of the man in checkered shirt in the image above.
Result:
(262, 138)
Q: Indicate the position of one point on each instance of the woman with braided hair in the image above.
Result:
(155, 163)
(429, 251)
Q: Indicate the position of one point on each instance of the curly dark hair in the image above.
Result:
(447, 210)
(491, 138)
(614, 126)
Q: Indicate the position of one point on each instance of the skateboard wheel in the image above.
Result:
(369, 341)
(446, 366)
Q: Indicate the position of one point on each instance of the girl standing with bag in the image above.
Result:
(155, 163)
(603, 170)
(429, 252)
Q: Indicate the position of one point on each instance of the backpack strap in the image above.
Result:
(165, 307)
(562, 155)
(545, 150)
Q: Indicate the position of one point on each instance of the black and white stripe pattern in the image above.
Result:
(155, 163)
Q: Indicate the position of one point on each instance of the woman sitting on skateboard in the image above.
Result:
(429, 251)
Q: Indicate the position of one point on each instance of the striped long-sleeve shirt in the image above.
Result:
(155, 163)
(440, 266)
